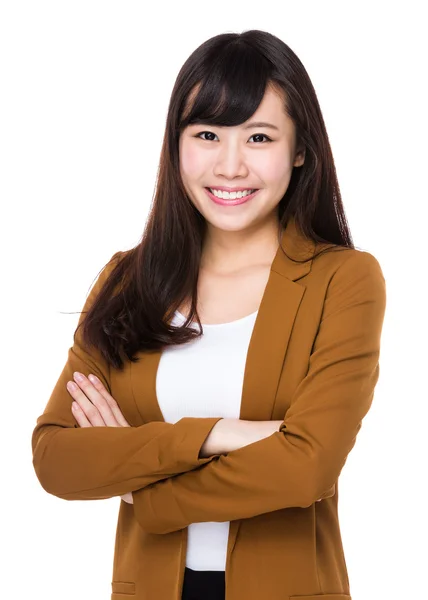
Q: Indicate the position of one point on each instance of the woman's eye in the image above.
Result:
(203, 132)
(256, 135)
(259, 135)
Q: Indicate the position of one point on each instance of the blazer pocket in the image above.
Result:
(322, 597)
(122, 590)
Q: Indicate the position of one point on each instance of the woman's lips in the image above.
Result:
(230, 202)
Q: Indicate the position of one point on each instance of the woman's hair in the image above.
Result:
(221, 83)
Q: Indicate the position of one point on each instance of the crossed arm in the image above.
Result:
(178, 474)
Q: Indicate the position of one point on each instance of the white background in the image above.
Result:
(84, 93)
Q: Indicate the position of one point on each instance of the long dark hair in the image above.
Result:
(221, 83)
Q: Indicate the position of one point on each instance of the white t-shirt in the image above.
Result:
(204, 378)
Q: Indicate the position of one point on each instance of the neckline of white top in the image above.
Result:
(204, 325)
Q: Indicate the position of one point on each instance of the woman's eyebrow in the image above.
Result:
(248, 126)
(261, 124)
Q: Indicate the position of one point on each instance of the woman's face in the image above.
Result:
(241, 157)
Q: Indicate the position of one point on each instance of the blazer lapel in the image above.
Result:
(273, 326)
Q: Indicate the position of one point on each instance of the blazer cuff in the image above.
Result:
(195, 432)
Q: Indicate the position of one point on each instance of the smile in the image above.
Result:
(231, 201)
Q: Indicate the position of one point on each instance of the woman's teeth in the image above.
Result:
(231, 195)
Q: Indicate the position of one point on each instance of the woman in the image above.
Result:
(235, 348)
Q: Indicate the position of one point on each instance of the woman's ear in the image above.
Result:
(299, 158)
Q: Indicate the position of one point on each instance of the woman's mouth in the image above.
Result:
(230, 201)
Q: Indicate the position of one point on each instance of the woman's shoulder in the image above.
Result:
(118, 257)
(350, 276)
(348, 260)
(107, 269)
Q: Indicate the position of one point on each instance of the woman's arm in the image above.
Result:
(231, 434)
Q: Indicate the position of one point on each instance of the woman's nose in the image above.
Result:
(230, 162)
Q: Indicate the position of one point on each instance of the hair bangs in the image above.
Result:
(231, 90)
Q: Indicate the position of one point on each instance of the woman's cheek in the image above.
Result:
(274, 169)
(192, 161)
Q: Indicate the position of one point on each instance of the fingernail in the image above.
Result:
(93, 378)
(78, 376)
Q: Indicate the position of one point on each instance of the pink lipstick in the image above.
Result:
(224, 202)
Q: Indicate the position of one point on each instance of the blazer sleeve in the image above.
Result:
(295, 466)
(92, 463)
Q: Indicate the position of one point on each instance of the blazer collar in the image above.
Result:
(299, 248)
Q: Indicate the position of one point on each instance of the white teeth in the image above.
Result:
(231, 195)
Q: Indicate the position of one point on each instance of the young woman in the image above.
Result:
(235, 349)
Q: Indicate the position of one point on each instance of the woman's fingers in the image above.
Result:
(93, 404)
(110, 401)
(128, 498)
(80, 416)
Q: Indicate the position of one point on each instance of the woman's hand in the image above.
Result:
(93, 406)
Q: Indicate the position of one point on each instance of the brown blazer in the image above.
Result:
(313, 361)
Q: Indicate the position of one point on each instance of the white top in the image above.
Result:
(203, 378)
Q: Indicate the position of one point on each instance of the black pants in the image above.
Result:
(203, 585)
